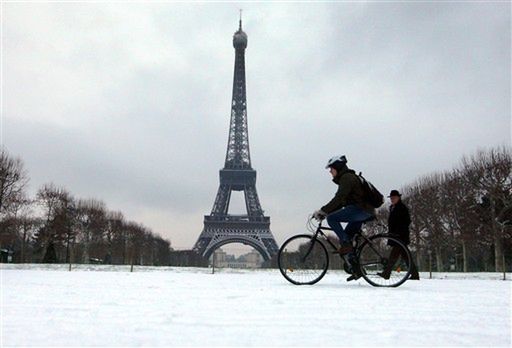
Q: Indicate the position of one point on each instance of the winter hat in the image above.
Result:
(394, 193)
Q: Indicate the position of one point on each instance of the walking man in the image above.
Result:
(398, 225)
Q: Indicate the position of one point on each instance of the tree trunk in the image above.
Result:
(125, 255)
(131, 261)
(85, 257)
(439, 260)
(418, 259)
(498, 253)
(419, 250)
(23, 245)
(464, 256)
(498, 245)
(504, 268)
(70, 256)
(67, 250)
(430, 263)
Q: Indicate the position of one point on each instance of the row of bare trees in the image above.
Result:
(462, 219)
(55, 227)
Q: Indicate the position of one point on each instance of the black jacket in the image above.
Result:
(399, 221)
(349, 192)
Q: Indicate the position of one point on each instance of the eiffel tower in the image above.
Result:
(220, 227)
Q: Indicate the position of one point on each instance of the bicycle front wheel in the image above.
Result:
(303, 260)
(384, 261)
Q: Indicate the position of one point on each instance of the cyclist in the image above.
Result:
(347, 205)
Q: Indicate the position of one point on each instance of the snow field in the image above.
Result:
(192, 307)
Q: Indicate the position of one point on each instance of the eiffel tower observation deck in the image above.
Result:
(253, 228)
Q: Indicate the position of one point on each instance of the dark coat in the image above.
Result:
(399, 221)
(350, 192)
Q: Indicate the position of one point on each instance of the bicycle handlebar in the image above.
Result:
(312, 227)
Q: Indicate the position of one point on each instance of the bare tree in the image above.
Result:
(491, 171)
(13, 180)
(24, 224)
(113, 234)
(28, 225)
(432, 216)
(134, 235)
(57, 204)
(92, 226)
(50, 198)
(462, 215)
(162, 251)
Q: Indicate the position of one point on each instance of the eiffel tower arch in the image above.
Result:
(220, 227)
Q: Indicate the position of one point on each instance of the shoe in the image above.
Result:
(353, 277)
(383, 275)
(414, 277)
(345, 248)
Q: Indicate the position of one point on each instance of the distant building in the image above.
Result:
(220, 257)
(252, 259)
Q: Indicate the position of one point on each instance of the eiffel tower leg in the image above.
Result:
(221, 205)
(252, 202)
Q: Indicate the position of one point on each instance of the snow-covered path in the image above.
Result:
(190, 307)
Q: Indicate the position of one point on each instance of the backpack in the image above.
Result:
(371, 195)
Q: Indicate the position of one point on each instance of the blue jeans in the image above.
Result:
(352, 214)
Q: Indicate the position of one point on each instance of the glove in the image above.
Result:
(319, 215)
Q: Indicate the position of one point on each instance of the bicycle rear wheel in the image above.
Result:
(384, 261)
(303, 260)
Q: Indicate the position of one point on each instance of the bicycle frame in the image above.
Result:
(357, 236)
(320, 229)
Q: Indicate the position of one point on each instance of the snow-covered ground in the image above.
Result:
(44, 305)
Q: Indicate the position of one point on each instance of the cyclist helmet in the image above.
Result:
(336, 162)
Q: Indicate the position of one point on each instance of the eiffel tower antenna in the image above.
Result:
(220, 227)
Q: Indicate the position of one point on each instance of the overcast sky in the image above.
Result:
(130, 103)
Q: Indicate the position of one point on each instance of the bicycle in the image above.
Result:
(303, 259)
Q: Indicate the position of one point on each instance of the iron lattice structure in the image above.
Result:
(237, 175)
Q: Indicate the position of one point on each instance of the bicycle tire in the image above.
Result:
(303, 263)
(374, 256)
